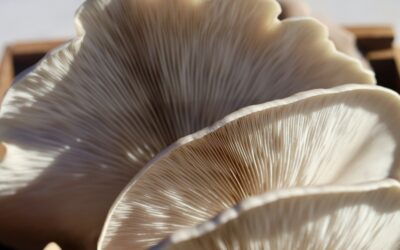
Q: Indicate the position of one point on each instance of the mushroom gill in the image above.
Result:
(342, 136)
(359, 217)
(140, 75)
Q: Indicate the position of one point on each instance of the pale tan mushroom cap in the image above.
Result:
(344, 40)
(142, 74)
(52, 246)
(346, 135)
(359, 217)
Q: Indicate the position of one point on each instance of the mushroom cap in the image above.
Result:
(341, 136)
(140, 75)
(294, 8)
(52, 246)
(344, 40)
(357, 217)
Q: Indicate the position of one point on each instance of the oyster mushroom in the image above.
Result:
(344, 40)
(342, 136)
(141, 74)
(52, 246)
(359, 217)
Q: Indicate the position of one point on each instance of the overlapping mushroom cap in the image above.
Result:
(344, 40)
(141, 74)
(342, 136)
(359, 217)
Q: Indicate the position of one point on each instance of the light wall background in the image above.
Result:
(360, 12)
(22, 20)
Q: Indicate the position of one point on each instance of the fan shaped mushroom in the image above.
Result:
(140, 75)
(359, 217)
(341, 136)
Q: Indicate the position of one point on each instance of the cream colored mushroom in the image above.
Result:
(359, 217)
(342, 136)
(141, 74)
(344, 40)
(52, 246)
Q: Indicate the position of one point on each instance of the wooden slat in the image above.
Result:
(386, 67)
(34, 47)
(371, 31)
(397, 58)
(6, 72)
(18, 56)
(371, 38)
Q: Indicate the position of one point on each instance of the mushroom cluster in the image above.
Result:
(199, 124)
